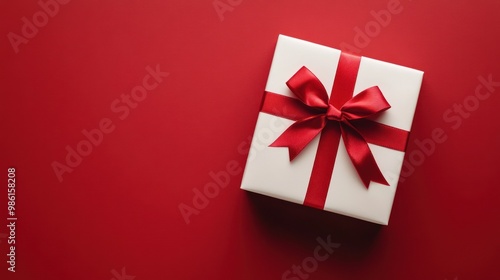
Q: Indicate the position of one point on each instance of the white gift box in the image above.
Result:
(269, 170)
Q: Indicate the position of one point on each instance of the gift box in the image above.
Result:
(332, 130)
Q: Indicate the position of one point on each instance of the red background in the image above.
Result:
(119, 207)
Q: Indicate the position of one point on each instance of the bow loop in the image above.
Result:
(308, 88)
(367, 103)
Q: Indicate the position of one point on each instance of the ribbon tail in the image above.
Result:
(361, 156)
(299, 134)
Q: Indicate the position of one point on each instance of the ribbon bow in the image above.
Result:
(311, 92)
(341, 115)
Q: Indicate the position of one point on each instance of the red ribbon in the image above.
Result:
(340, 116)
